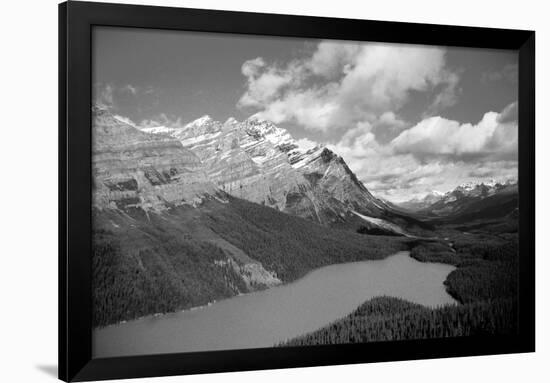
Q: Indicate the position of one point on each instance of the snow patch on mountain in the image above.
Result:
(206, 119)
(382, 224)
(125, 120)
(159, 130)
(258, 161)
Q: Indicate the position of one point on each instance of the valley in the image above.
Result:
(484, 284)
(265, 318)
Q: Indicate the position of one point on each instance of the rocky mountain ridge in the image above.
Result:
(453, 201)
(152, 182)
(260, 162)
(419, 203)
(134, 169)
(136, 173)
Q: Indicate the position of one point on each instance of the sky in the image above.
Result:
(407, 119)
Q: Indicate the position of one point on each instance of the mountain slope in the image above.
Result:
(501, 205)
(260, 162)
(464, 195)
(134, 169)
(468, 201)
(188, 256)
(165, 237)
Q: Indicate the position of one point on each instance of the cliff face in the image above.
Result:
(240, 161)
(336, 190)
(132, 168)
(149, 194)
(260, 162)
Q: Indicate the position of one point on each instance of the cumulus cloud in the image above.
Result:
(387, 126)
(391, 120)
(448, 95)
(393, 176)
(306, 143)
(251, 68)
(331, 58)
(435, 154)
(264, 83)
(509, 114)
(342, 83)
(494, 136)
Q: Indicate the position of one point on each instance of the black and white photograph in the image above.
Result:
(281, 191)
(254, 191)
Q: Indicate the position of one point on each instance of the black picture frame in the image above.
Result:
(76, 20)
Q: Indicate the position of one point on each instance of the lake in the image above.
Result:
(264, 318)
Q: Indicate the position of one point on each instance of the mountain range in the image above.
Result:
(186, 216)
(257, 161)
(468, 202)
(260, 162)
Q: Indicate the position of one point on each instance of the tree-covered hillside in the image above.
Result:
(146, 263)
(484, 283)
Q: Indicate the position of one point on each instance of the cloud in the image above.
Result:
(342, 83)
(444, 138)
(509, 114)
(264, 83)
(331, 58)
(306, 143)
(435, 154)
(252, 67)
(448, 95)
(390, 175)
(390, 120)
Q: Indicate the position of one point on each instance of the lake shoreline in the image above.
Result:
(208, 304)
(298, 303)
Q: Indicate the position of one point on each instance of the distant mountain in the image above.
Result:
(468, 195)
(472, 200)
(418, 203)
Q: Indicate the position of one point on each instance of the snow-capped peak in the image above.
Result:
(260, 128)
(430, 197)
(491, 183)
(199, 127)
(200, 121)
(260, 125)
(231, 121)
(467, 186)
